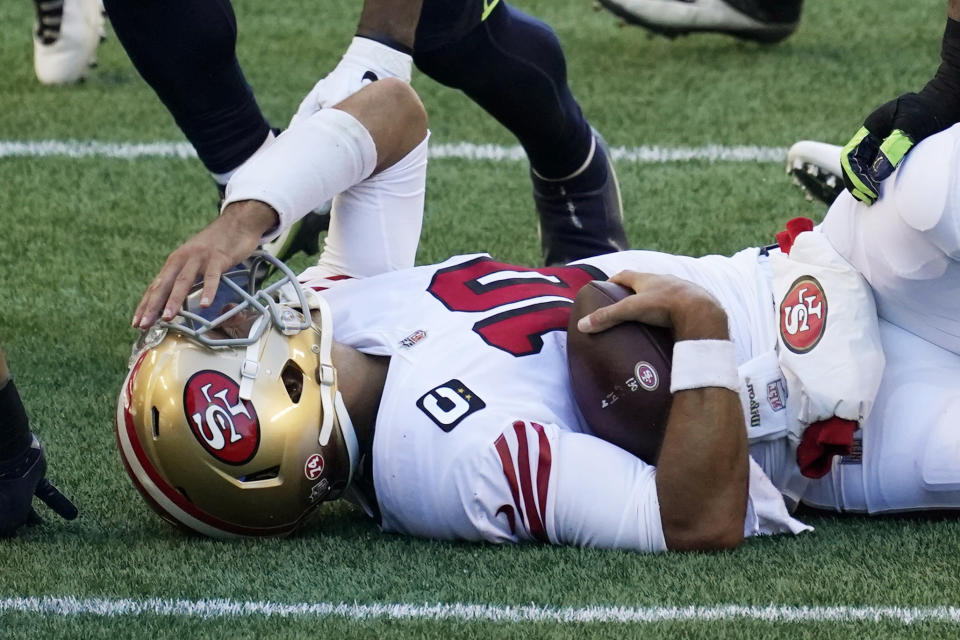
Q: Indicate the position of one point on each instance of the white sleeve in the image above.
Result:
(306, 166)
(543, 483)
(605, 497)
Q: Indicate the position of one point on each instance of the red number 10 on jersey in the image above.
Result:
(483, 284)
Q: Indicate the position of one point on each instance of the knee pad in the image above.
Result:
(923, 191)
(940, 465)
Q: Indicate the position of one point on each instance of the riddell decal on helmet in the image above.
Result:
(313, 468)
(803, 315)
(225, 425)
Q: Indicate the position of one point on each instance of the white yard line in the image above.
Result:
(460, 150)
(69, 606)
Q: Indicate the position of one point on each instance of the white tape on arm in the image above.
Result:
(325, 154)
(704, 363)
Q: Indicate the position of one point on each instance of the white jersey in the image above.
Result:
(478, 436)
(907, 246)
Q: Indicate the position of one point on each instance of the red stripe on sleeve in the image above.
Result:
(526, 484)
(503, 449)
(329, 279)
(543, 470)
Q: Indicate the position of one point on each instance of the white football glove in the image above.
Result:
(364, 62)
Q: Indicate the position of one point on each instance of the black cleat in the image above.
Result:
(815, 168)
(766, 21)
(577, 224)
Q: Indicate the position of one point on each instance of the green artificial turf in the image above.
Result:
(80, 238)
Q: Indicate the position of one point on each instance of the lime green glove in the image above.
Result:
(886, 137)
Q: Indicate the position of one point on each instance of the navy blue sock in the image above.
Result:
(14, 426)
(186, 51)
(512, 65)
(591, 177)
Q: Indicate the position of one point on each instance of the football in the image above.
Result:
(620, 377)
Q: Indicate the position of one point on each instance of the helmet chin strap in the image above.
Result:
(326, 373)
(349, 436)
(251, 362)
(330, 400)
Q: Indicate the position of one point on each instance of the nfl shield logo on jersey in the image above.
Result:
(413, 339)
(777, 394)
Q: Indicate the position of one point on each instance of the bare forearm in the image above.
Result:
(953, 9)
(702, 470)
(395, 19)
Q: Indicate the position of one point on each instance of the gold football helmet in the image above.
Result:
(238, 436)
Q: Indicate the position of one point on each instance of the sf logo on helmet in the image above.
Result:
(225, 425)
(803, 315)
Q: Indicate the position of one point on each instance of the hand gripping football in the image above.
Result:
(620, 377)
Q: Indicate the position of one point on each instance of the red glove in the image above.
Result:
(821, 441)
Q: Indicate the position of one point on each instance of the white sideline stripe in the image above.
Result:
(205, 609)
(460, 150)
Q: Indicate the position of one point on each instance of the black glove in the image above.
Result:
(892, 129)
(885, 138)
(21, 478)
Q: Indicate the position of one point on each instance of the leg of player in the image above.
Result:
(186, 51)
(907, 244)
(512, 66)
(65, 39)
(308, 163)
(14, 432)
(375, 224)
(322, 156)
(765, 21)
(393, 114)
(22, 463)
(390, 22)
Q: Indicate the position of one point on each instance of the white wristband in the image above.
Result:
(704, 363)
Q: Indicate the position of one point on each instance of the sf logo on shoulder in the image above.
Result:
(803, 315)
(448, 404)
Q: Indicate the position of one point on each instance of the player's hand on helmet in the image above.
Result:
(22, 479)
(887, 135)
(225, 242)
(665, 301)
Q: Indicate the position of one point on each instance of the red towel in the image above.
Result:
(821, 441)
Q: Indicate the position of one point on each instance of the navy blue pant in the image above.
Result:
(509, 63)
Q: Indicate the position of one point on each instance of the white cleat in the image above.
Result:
(65, 39)
(679, 17)
(815, 168)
